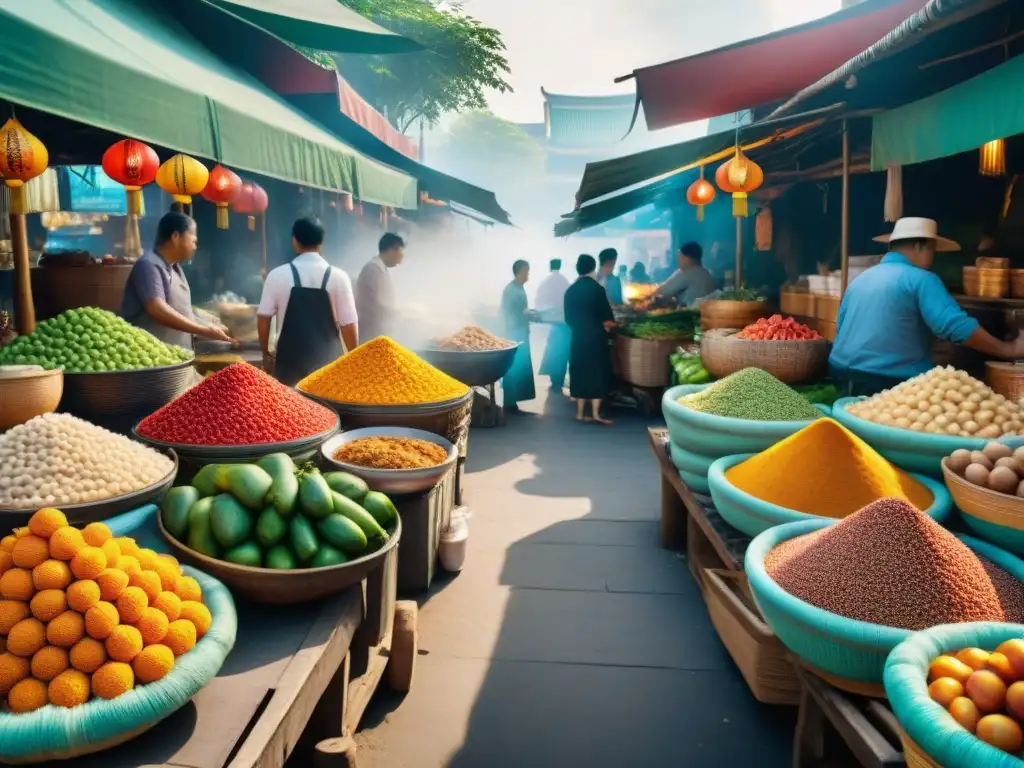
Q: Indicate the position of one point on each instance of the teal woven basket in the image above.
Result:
(753, 516)
(913, 451)
(848, 653)
(931, 736)
(693, 468)
(55, 733)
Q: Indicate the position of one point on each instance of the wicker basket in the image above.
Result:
(644, 363)
(1017, 283)
(27, 394)
(993, 516)
(992, 262)
(792, 362)
(986, 282)
(796, 303)
(1007, 379)
(723, 313)
(760, 656)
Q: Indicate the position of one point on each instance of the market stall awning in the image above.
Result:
(324, 25)
(128, 67)
(764, 69)
(959, 119)
(587, 122)
(607, 176)
(619, 205)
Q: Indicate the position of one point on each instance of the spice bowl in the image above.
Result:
(27, 391)
(753, 516)
(393, 481)
(992, 516)
(848, 653)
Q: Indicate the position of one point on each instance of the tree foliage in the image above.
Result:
(462, 60)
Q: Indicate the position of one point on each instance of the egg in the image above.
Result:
(1001, 732)
(995, 451)
(977, 457)
(1003, 480)
(959, 460)
(977, 474)
(1009, 462)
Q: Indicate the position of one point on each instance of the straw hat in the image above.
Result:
(915, 228)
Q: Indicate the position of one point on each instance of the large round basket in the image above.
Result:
(25, 394)
(266, 585)
(994, 517)
(754, 516)
(118, 399)
(644, 362)
(931, 737)
(474, 369)
(724, 313)
(1006, 379)
(913, 451)
(56, 733)
(792, 362)
(95, 511)
(847, 653)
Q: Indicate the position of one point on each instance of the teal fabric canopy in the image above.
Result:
(959, 119)
(127, 67)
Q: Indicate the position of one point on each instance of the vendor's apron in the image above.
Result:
(179, 298)
(309, 334)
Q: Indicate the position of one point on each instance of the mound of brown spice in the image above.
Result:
(391, 453)
(891, 564)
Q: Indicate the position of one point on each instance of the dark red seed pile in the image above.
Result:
(238, 405)
(891, 564)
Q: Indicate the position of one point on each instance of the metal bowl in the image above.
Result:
(474, 369)
(393, 481)
(93, 511)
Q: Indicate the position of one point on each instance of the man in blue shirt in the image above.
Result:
(891, 313)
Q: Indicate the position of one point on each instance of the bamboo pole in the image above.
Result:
(263, 242)
(844, 248)
(24, 307)
(739, 252)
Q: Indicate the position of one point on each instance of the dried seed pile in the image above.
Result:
(752, 394)
(391, 453)
(891, 564)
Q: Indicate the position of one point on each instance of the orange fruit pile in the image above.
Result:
(86, 615)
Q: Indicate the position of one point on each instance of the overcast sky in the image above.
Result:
(581, 46)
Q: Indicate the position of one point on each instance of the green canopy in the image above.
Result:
(958, 119)
(125, 66)
(325, 25)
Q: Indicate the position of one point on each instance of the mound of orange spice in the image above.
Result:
(86, 615)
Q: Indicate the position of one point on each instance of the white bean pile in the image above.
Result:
(58, 459)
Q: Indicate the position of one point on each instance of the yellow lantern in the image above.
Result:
(22, 158)
(182, 176)
(992, 159)
(739, 177)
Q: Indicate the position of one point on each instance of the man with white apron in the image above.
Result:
(157, 297)
(314, 307)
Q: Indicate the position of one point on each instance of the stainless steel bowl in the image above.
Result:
(393, 481)
(474, 369)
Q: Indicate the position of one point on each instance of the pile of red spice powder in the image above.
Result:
(891, 564)
(238, 405)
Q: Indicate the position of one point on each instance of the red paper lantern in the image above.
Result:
(700, 193)
(739, 176)
(252, 201)
(222, 189)
(133, 164)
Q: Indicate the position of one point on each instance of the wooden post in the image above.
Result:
(844, 245)
(24, 307)
(739, 252)
(263, 240)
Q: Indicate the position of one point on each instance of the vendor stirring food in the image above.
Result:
(890, 313)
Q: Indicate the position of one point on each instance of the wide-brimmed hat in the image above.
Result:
(915, 228)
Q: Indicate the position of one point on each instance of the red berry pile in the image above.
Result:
(778, 328)
(238, 405)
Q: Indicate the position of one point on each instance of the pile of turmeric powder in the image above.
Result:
(826, 470)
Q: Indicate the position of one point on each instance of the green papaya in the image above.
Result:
(205, 480)
(302, 538)
(382, 509)
(315, 495)
(270, 527)
(327, 555)
(200, 531)
(360, 517)
(175, 507)
(342, 533)
(229, 521)
(248, 484)
(349, 486)
(247, 553)
(280, 558)
(285, 488)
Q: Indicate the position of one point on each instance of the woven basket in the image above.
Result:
(931, 737)
(792, 362)
(796, 303)
(1017, 283)
(27, 394)
(992, 262)
(986, 282)
(1006, 379)
(644, 363)
(722, 313)
(994, 517)
(761, 658)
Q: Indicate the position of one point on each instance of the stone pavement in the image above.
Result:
(570, 638)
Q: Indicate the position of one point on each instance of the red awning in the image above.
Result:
(765, 69)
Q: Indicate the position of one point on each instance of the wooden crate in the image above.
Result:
(423, 518)
(827, 329)
(800, 304)
(826, 307)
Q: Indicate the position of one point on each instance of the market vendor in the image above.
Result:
(157, 297)
(606, 277)
(313, 305)
(517, 386)
(691, 281)
(375, 295)
(890, 314)
(550, 307)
